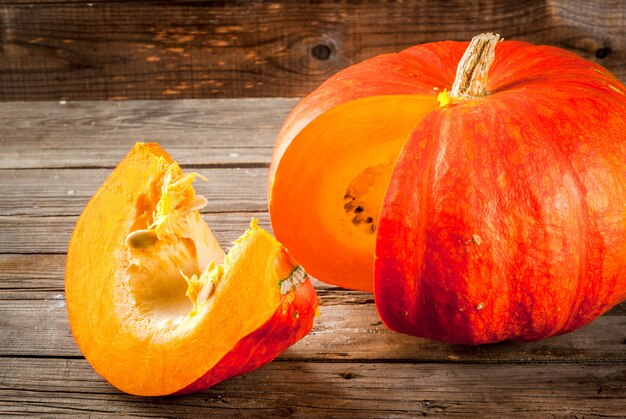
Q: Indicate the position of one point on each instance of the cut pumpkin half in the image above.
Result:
(155, 305)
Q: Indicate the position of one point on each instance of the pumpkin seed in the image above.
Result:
(141, 239)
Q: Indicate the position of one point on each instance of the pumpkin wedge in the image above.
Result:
(156, 306)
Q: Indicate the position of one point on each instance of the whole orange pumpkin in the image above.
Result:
(496, 212)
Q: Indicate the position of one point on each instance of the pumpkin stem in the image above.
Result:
(471, 74)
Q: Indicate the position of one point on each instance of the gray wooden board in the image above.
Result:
(52, 158)
(219, 132)
(51, 234)
(356, 389)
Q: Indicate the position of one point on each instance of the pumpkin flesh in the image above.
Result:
(356, 144)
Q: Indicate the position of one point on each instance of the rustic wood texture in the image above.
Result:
(69, 386)
(200, 133)
(52, 160)
(141, 50)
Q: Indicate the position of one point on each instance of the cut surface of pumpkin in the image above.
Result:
(156, 306)
(332, 180)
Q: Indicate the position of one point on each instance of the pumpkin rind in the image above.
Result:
(292, 321)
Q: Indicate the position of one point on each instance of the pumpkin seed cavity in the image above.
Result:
(163, 286)
(161, 272)
(364, 196)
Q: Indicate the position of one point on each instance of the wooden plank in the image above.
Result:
(27, 273)
(217, 132)
(50, 234)
(144, 50)
(37, 2)
(66, 191)
(348, 329)
(62, 387)
(22, 276)
(26, 235)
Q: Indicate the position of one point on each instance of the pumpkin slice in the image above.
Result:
(155, 305)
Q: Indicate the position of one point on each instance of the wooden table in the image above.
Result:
(53, 157)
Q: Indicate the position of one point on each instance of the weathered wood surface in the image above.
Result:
(295, 388)
(215, 133)
(350, 365)
(144, 50)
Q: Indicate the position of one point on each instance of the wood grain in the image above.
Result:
(155, 50)
(205, 133)
(67, 191)
(63, 387)
(21, 273)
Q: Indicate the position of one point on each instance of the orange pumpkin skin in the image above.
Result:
(504, 218)
(292, 321)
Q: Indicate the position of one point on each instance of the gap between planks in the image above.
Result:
(209, 165)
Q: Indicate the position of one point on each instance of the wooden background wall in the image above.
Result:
(93, 49)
